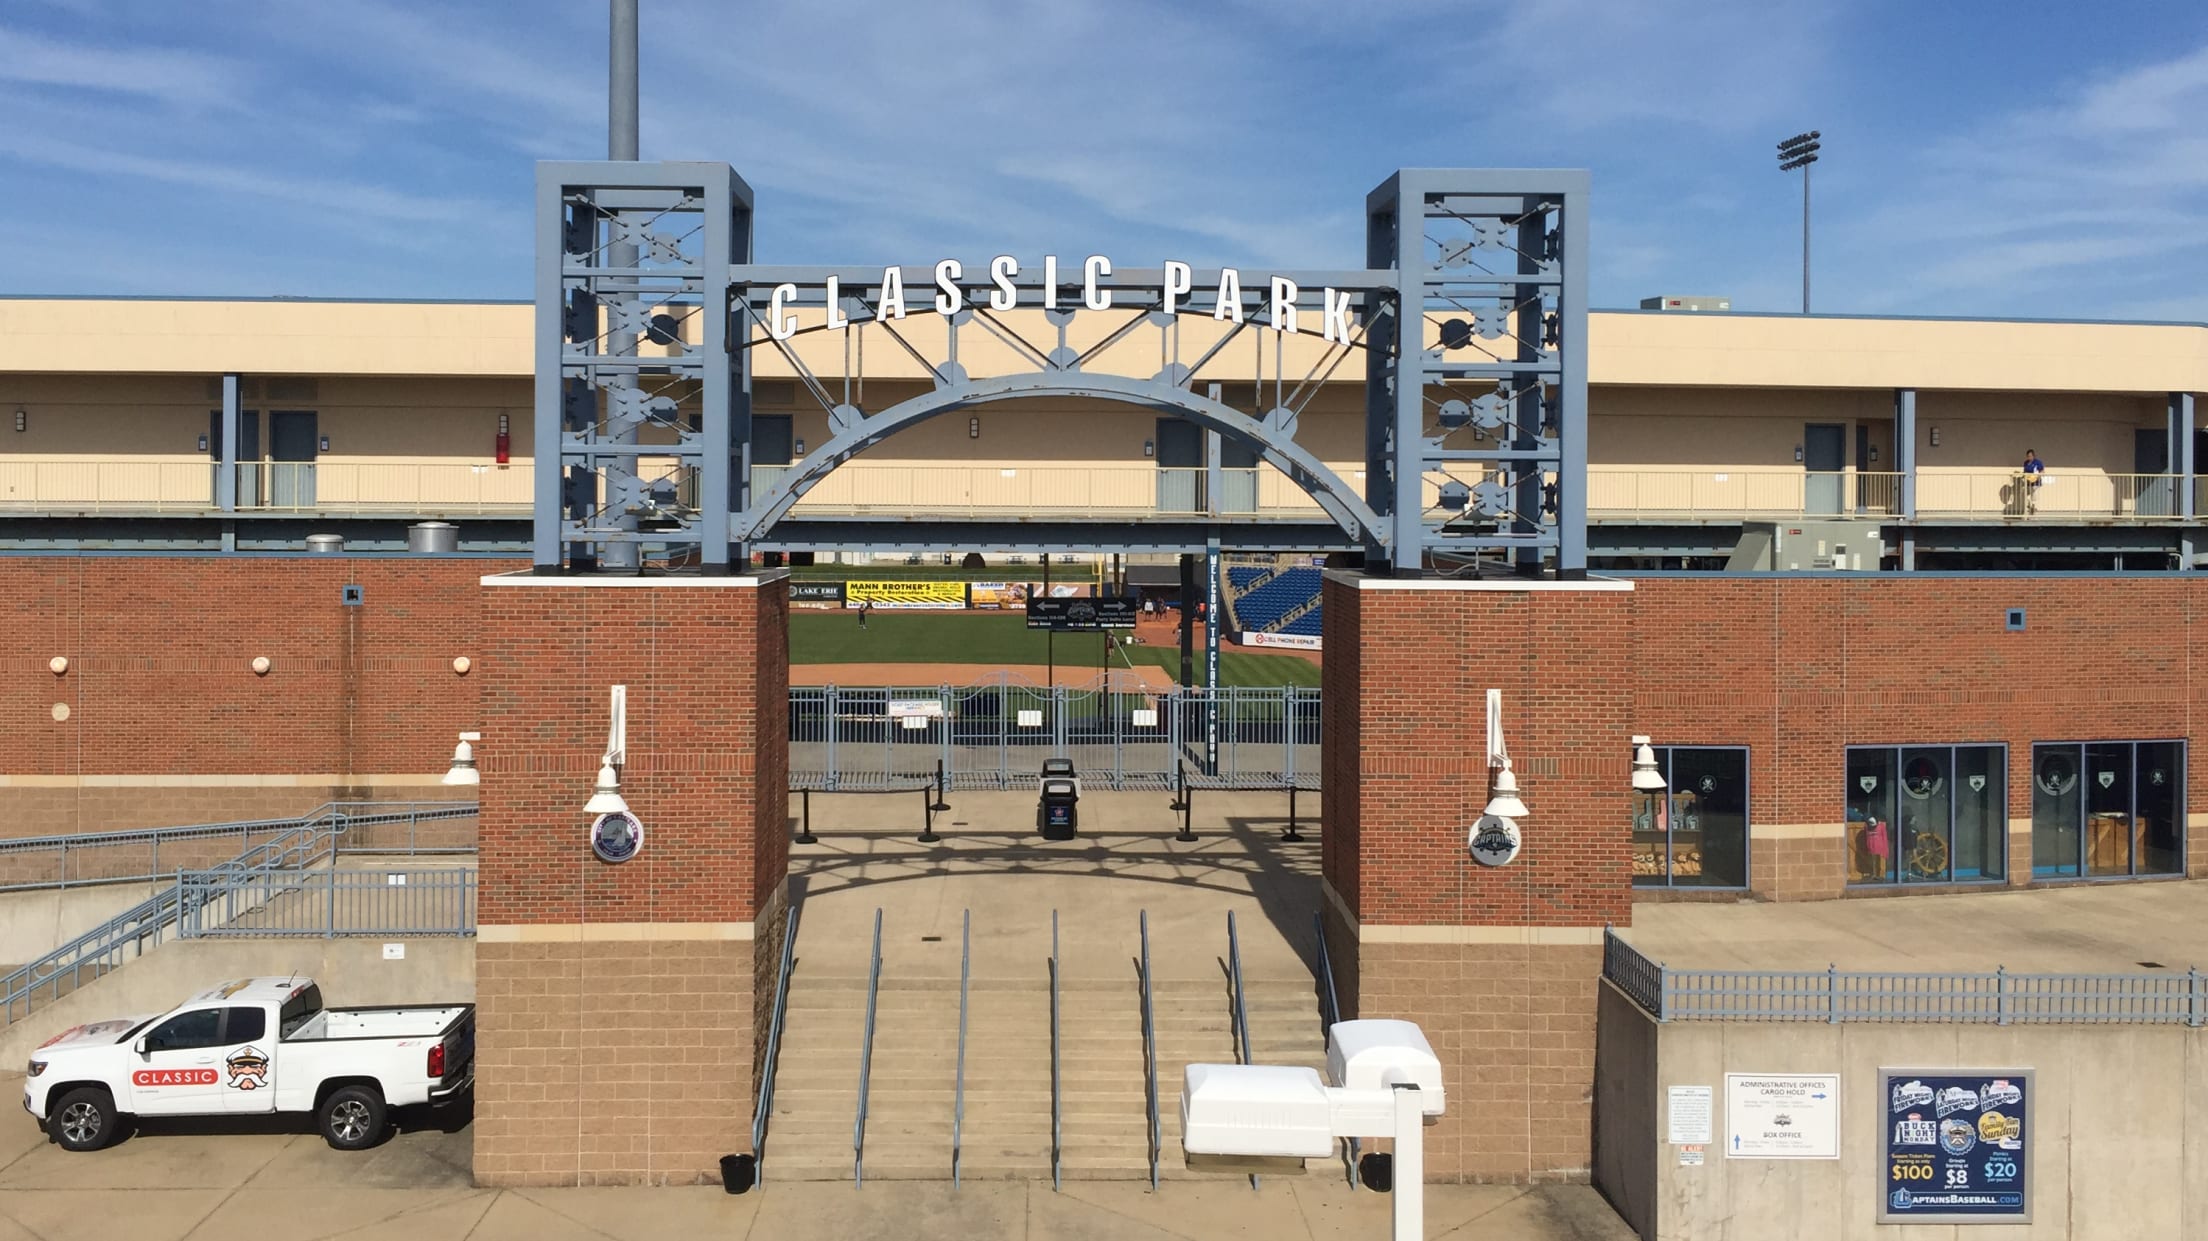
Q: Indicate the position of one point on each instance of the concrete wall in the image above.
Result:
(2118, 1122)
(352, 972)
(33, 924)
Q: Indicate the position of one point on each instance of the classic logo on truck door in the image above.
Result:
(248, 1068)
(175, 1077)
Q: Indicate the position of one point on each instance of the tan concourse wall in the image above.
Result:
(2117, 1126)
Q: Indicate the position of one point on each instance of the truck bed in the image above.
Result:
(408, 1021)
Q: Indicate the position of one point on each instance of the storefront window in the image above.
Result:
(1695, 833)
(1926, 814)
(2108, 808)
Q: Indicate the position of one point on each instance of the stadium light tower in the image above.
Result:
(1800, 151)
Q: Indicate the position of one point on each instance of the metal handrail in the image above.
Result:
(332, 818)
(1833, 995)
(958, 1091)
(765, 1106)
(326, 903)
(1241, 1005)
(1150, 1052)
(866, 1059)
(139, 929)
(1331, 1012)
(99, 949)
(1057, 1098)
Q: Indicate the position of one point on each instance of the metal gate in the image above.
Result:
(997, 736)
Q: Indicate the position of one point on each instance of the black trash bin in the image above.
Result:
(738, 1172)
(1055, 813)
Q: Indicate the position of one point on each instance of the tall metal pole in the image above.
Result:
(621, 126)
(623, 488)
(1805, 239)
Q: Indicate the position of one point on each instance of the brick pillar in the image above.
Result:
(1499, 965)
(618, 1004)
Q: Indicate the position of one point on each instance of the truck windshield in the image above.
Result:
(299, 1010)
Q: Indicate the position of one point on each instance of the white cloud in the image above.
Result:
(179, 77)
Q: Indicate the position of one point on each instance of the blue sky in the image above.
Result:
(2000, 157)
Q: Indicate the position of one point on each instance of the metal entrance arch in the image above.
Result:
(856, 434)
(1471, 314)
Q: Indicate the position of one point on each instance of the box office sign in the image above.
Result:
(1957, 1146)
(1782, 1115)
(930, 596)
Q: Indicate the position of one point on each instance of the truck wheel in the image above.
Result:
(353, 1118)
(84, 1120)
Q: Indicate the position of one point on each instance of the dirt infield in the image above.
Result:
(1144, 677)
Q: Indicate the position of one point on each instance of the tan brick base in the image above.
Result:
(612, 1063)
(1798, 862)
(61, 811)
(1514, 1025)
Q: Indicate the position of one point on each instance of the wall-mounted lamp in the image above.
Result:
(22, 421)
(1874, 454)
(799, 446)
(1646, 779)
(1797, 452)
(1935, 437)
(1149, 448)
(261, 665)
(1494, 839)
(973, 427)
(324, 443)
(463, 762)
(606, 798)
(203, 443)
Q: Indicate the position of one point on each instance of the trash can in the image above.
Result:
(1055, 813)
(738, 1172)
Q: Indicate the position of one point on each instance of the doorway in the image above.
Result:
(2152, 492)
(1180, 466)
(293, 438)
(248, 456)
(1824, 460)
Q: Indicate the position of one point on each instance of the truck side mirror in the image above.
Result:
(145, 1046)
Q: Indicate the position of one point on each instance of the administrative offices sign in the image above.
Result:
(1782, 1116)
(1956, 1146)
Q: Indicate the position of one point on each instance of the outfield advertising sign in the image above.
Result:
(1956, 1146)
(924, 596)
(997, 596)
(816, 592)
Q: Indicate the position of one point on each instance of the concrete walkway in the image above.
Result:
(174, 1182)
(2091, 928)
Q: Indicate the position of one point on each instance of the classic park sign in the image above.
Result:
(952, 289)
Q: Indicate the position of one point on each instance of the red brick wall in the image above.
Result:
(159, 681)
(708, 747)
(1413, 775)
(1798, 669)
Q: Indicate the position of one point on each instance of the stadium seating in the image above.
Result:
(1260, 610)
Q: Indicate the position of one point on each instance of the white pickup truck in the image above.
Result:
(254, 1045)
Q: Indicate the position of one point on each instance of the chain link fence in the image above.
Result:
(997, 736)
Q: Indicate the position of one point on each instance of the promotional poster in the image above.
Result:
(1956, 1146)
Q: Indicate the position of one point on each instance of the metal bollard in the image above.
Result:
(805, 822)
(1291, 833)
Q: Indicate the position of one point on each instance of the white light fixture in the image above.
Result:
(1504, 802)
(1935, 437)
(463, 762)
(973, 427)
(1646, 779)
(606, 798)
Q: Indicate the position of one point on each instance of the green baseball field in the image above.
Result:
(914, 637)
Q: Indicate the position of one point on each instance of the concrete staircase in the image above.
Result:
(1006, 1132)
(816, 1084)
(1106, 1129)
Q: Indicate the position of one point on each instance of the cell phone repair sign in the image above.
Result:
(1956, 1146)
(1782, 1116)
